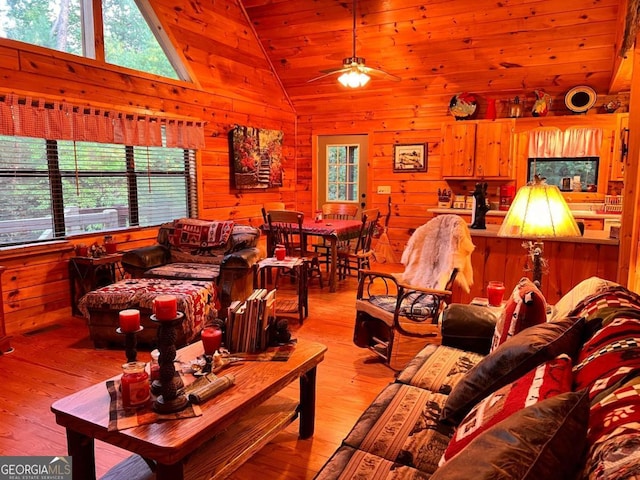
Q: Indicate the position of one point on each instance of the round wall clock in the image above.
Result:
(580, 99)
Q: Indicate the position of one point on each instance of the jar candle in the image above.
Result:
(280, 252)
(211, 339)
(135, 385)
(495, 293)
(129, 320)
(165, 307)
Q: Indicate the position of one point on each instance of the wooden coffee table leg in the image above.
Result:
(169, 472)
(307, 403)
(81, 449)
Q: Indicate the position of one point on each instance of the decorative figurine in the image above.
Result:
(480, 206)
(542, 105)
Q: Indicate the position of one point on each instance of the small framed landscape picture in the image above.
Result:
(410, 157)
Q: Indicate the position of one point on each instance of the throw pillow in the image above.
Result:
(544, 381)
(194, 233)
(511, 360)
(525, 307)
(545, 440)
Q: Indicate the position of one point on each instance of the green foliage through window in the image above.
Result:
(58, 24)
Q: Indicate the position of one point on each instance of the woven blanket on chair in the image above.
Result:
(190, 232)
(435, 249)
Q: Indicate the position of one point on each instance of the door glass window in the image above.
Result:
(342, 173)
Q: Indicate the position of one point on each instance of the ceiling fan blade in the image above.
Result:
(380, 72)
(328, 73)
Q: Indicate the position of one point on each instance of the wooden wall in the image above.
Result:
(236, 88)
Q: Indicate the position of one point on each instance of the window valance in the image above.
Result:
(573, 142)
(63, 121)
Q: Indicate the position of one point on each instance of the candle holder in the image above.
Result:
(130, 343)
(169, 383)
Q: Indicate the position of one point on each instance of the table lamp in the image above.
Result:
(538, 211)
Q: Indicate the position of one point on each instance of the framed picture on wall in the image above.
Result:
(410, 157)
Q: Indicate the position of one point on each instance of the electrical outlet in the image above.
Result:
(384, 189)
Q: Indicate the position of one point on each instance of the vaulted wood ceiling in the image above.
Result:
(441, 47)
(493, 48)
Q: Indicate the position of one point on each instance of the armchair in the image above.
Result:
(195, 249)
(437, 255)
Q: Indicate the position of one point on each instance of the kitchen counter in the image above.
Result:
(578, 214)
(599, 237)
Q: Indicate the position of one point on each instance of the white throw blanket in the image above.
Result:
(435, 249)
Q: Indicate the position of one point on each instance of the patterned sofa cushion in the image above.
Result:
(348, 462)
(438, 368)
(401, 425)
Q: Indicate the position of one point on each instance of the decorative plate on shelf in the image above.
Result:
(463, 106)
(580, 99)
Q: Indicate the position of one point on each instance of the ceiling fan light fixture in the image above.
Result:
(354, 78)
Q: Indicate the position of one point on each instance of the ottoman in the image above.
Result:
(196, 298)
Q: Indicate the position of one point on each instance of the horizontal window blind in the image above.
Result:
(55, 189)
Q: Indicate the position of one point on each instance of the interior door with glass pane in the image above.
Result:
(342, 169)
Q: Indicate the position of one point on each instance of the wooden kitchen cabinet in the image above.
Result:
(479, 149)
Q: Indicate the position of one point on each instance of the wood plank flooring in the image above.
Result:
(55, 362)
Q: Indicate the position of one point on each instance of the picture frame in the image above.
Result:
(410, 157)
(256, 157)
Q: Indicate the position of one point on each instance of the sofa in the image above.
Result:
(538, 392)
(195, 249)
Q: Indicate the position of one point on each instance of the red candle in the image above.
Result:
(495, 292)
(129, 320)
(165, 307)
(211, 339)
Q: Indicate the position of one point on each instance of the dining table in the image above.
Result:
(332, 230)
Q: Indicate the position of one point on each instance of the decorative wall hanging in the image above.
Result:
(463, 106)
(257, 157)
(580, 99)
(410, 158)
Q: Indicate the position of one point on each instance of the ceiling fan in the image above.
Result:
(354, 71)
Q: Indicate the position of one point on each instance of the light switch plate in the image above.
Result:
(384, 189)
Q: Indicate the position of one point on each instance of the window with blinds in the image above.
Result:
(55, 189)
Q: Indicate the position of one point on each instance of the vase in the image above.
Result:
(491, 109)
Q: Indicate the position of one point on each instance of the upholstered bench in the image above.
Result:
(196, 298)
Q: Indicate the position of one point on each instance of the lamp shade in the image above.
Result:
(539, 211)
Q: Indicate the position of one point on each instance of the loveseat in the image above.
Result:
(196, 249)
(556, 397)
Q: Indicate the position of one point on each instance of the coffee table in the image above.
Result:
(233, 426)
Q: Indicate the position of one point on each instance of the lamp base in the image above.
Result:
(535, 252)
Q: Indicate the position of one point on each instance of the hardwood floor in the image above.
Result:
(57, 361)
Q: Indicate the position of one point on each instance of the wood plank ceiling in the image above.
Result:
(493, 48)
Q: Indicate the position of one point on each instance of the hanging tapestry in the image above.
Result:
(257, 157)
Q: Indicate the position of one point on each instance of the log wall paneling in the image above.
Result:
(234, 89)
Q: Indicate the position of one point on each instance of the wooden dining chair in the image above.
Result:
(357, 253)
(285, 228)
(268, 206)
(333, 211)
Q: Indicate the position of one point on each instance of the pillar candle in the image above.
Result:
(129, 320)
(165, 307)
